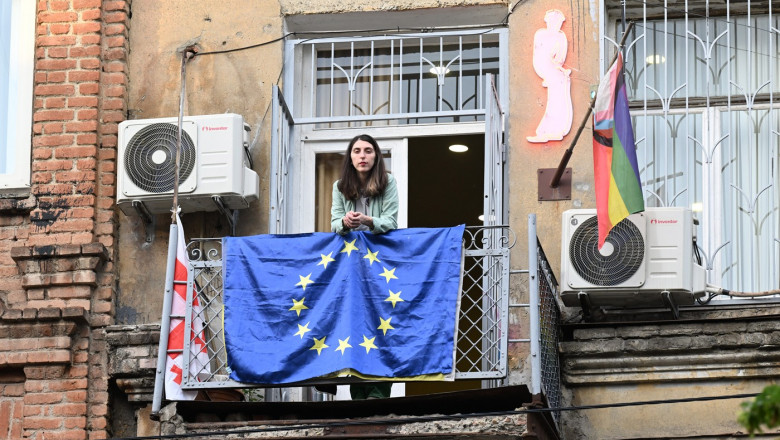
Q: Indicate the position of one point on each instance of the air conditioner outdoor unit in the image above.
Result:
(214, 166)
(647, 260)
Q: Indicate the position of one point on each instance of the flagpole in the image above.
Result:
(556, 180)
(173, 238)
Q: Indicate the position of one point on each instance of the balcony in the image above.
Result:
(482, 339)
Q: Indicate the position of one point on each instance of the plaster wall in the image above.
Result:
(237, 82)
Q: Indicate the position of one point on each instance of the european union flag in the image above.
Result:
(315, 305)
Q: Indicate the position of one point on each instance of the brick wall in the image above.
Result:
(57, 244)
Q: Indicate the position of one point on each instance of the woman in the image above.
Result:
(366, 196)
(364, 199)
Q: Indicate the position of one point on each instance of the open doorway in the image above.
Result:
(446, 188)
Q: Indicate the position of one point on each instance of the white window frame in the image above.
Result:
(20, 98)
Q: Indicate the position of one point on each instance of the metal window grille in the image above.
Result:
(481, 345)
(395, 79)
(702, 77)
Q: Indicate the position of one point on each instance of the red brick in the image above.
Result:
(53, 165)
(52, 127)
(114, 91)
(59, 40)
(109, 128)
(69, 409)
(40, 77)
(89, 89)
(115, 17)
(50, 189)
(113, 104)
(89, 63)
(75, 422)
(90, 39)
(59, 28)
(75, 434)
(90, 14)
(114, 29)
(59, 5)
(73, 225)
(118, 41)
(30, 411)
(54, 103)
(107, 154)
(53, 115)
(41, 423)
(40, 30)
(57, 52)
(89, 101)
(73, 127)
(56, 64)
(113, 116)
(53, 140)
(70, 152)
(115, 5)
(117, 53)
(42, 398)
(56, 89)
(57, 17)
(41, 177)
(83, 75)
(114, 66)
(56, 77)
(84, 115)
(75, 176)
(109, 141)
(114, 78)
(86, 139)
(88, 27)
(85, 4)
(86, 164)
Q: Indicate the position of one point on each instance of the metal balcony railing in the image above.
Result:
(481, 346)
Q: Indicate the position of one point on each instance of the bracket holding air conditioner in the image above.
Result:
(667, 298)
(585, 304)
(146, 218)
(231, 215)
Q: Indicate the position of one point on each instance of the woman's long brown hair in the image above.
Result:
(349, 184)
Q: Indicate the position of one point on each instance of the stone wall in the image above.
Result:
(728, 351)
(57, 283)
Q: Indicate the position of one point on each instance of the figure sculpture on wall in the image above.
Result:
(550, 46)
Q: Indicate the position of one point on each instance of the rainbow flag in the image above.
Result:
(615, 170)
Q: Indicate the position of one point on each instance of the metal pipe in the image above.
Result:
(533, 313)
(556, 180)
(165, 321)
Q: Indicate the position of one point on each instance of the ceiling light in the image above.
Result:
(439, 70)
(655, 59)
(458, 148)
(481, 217)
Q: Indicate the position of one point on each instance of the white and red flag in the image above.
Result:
(199, 360)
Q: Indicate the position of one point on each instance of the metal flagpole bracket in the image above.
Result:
(546, 192)
(147, 218)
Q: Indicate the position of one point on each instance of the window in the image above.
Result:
(703, 94)
(17, 45)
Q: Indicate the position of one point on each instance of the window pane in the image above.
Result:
(5, 77)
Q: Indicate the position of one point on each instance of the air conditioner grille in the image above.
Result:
(150, 157)
(627, 254)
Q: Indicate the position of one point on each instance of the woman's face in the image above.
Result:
(363, 157)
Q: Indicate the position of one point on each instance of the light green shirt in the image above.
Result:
(383, 209)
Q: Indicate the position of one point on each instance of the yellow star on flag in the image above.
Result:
(305, 280)
(368, 343)
(343, 345)
(319, 344)
(325, 260)
(394, 297)
(302, 329)
(372, 257)
(388, 274)
(298, 306)
(385, 325)
(349, 247)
